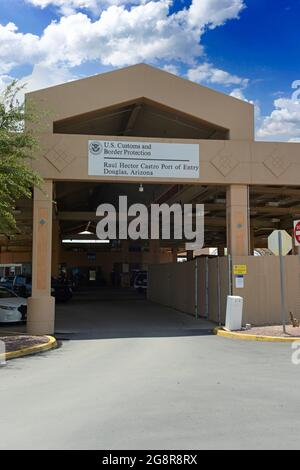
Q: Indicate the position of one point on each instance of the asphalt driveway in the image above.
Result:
(149, 385)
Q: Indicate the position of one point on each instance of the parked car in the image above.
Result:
(7, 282)
(22, 286)
(12, 307)
(61, 290)
(141, 281)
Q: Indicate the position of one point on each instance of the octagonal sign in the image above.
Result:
(273, 242)
(297, 232)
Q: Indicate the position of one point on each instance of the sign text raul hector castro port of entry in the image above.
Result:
(143, 159)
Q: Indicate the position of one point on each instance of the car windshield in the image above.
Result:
(6, 294)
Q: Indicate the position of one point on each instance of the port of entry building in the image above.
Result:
(156, 138)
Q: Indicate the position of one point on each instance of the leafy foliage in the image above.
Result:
(17, 147)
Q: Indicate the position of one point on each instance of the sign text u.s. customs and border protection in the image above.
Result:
(143, 159)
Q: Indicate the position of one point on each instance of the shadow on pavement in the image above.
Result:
(109, 313)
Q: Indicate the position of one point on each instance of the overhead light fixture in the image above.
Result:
(86, 231)
(220, 200)
(141, 188)
(273, 203)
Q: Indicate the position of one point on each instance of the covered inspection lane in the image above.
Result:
(113, 314)
(190, 144)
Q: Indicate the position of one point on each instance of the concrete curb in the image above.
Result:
(245, 337)
(52, 343)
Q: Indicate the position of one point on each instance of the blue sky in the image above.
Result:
(247, 48)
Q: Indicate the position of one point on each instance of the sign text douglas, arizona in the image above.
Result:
(143, 159)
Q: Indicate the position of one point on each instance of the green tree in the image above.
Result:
(17, 147)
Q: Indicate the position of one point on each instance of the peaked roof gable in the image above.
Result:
(143, 81)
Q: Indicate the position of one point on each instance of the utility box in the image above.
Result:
(234, 313)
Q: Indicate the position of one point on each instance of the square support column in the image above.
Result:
(56, 248)
(41, 306)
(154, 246)
(237, 215)
(174, 255)
(221, 250)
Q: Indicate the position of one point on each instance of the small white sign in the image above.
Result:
(143, 159)
(239, 282)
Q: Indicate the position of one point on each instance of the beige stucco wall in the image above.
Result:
(173, 285)
(126, 85)
(65, 157)
(239, 160)
(262, 288)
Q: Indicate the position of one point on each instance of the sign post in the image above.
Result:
(282, 290)
(297, 244)
(280, 243)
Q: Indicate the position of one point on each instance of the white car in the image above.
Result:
(12, 308)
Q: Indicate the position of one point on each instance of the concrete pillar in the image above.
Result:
(174, 255)
(221, 250)
(237, 212)
(125, 251)
(41, 306)
(252, 241)
(56, 248)
(154, 246)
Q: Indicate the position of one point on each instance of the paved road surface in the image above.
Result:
(155, 382)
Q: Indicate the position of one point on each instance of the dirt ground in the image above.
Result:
(273, 331)
(14, 343)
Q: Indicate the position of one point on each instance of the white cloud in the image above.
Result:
(171, 69)
(284, 121)
(207, 73)
(214, 13)
(68, 7)
(123, 33)
(4, 81)
(119, 37)
(240, 95)
(202, 12)
(41, 78)
(16, 48)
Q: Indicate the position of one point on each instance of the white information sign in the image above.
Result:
(239, 282)
(143, 159)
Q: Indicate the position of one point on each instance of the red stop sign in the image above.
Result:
(297, 232)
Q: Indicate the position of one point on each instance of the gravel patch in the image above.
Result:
(272, 331)
(14, 343)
